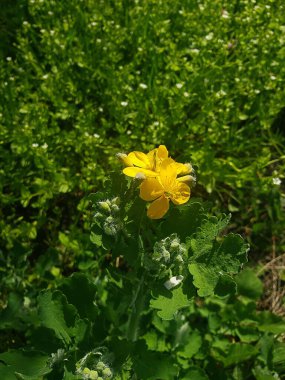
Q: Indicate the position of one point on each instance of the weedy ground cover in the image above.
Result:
(83, 80)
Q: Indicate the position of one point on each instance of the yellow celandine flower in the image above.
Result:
(166, 186)
(149, 164)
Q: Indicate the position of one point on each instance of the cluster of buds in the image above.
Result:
(107, 216)
(168, 258)
(90, 367)
(101, 372)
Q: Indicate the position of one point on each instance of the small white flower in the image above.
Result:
(45, 146)
(221, 93)
(124, 104)
(195, 51)
(143, 86)
(96, 136)
(173, 281)
(45, 76)
(50, 13)
(93, 23)
(129, 132)
(225, 14)
(35, 145)
(186, 94)
(272, 77)
(52, 32)
(100, 109)
(25, 23)
(8, 59)
(156, 123)
(276, 181)
(99, 40)
(209, 36)
(179, 85)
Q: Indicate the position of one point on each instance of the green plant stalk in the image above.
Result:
(137, 308)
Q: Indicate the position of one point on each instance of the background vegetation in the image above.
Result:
(83, 80)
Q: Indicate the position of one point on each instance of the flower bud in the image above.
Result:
(104, 206)
(110, 229)
(115, 208)
(116, 201)
(188, 169)
(173, 281)
(126, 161)
(100, 366)
(107, 373)
(179, 259)
(98, 216)
(93, 375)
(187, 179)
(174, 244)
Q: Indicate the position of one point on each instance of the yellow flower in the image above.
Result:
(162, 188)
(149, 164)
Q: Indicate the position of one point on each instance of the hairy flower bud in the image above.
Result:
(126, 161)
(105, 206)
(107, 373)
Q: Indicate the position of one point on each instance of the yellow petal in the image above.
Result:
(180, 194)
(151, 158)
(162, 152)
(158, 208)
(139, 159)
(168, 174)
(151, 189)
(132, 172)
(183, 169)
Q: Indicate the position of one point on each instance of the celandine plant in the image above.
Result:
(162, 257)
(167, 301)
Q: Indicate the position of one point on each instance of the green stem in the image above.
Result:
(137, 308)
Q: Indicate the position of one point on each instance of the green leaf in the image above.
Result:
(279, 357)
(170, 302)
(270, 322)
(195, 373)
(203, 240)
(184, 220)
(263, 374)
(151, 365)
(30, 365)
(56, 314)
(96, 238)
(9, 317)
(239, 352)
(193, 345)
(7, 372)
(154, 341)
(212, 264)
(80, 292)
(249, 285)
